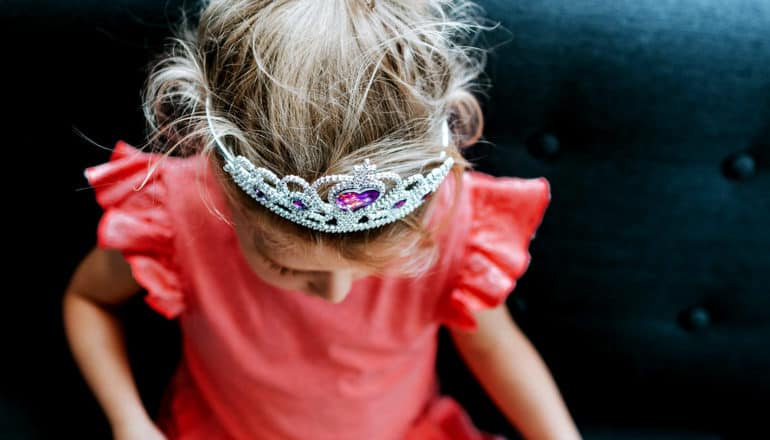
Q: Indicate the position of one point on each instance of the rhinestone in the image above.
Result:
(355, 200)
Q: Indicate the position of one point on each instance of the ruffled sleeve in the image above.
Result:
(505, 214)
(136, 222)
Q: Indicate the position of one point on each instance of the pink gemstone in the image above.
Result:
(355, 201)
(400, 203)
(426, 196)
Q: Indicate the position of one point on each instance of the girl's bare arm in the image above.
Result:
(515, 376)
(102, 281)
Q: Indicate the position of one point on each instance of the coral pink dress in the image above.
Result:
(260, 362)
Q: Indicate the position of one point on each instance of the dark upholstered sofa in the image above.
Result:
(648, 294)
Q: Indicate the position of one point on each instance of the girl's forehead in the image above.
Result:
(292, 252)
(272, 241)
(280, 244)
(309, 258)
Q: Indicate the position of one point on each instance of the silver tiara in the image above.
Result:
(357, 202)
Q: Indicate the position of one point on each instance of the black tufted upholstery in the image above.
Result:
(648, 294)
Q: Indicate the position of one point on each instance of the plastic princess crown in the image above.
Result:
(357, 202)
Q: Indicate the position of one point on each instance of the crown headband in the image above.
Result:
(357, 202)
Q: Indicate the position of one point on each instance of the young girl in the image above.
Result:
(313, 228)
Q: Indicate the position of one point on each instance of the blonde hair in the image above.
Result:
(311, 88)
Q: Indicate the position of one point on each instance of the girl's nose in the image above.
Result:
(332, 286)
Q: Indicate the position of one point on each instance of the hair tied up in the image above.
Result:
(465, 118)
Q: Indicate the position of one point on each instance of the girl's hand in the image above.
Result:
(146, 430)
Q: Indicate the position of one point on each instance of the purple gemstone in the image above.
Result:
(426, 196)
(400, 203)
(355, 201)
(260, 194)
(299, 204)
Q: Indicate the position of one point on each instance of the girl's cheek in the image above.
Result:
(257, 267)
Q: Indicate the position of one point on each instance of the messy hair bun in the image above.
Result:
(311, 88)
(465, 118)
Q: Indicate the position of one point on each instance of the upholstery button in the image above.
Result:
(519, 304)
(544, 145)
(695, 318)
(739, 166)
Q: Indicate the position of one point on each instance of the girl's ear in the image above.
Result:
(465, 118)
